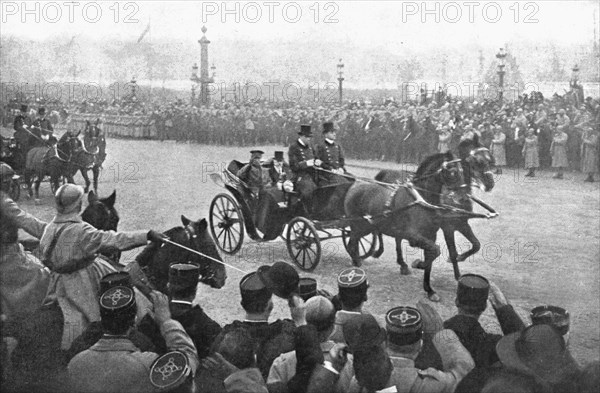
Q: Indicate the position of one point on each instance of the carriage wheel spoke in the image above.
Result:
(362, 247)
(220, 233)
(304, 258)
(298, 253)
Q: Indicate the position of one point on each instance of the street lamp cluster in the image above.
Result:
(204, 79)
(340, 72)
(501, 55)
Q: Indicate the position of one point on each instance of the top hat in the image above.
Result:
(253, 289)
(353, 278)
(115, 279)
(472, 292)
(279, 156)
(404, 325)
(282, 279)
(307, 288)
(183, 276)
(24, 108)
(305, 130)
(328, 127)
(551, 315)
(363, 332)
(170, 371)
(538, 350)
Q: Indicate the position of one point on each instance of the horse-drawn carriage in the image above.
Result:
(273, 213)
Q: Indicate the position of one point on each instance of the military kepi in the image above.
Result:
(252, 289)
(307, 288)
(352, 278)
(551, 315)
(257, 152)
(115, 279)
(117, 305)
(183, 276)
(305, 130)
(170, 371)
(472, 292)
(404, 326)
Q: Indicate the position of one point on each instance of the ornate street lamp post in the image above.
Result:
(204, 80)
(501, 55)
(340, 72)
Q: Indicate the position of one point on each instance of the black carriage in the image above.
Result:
(271, 213)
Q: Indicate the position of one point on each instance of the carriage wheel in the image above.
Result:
(15, 190)
(226, 223)
(303, 243)
(366, 244)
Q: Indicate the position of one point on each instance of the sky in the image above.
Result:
(394, 24)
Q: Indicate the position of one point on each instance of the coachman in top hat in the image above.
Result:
(302, 161)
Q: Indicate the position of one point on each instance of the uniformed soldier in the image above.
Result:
(251, 173)
(270, 338)
(302, 161)
(352, 286)
(332, 157)
(22, 125)
(181, 287)
(43, 125)
(115, 364)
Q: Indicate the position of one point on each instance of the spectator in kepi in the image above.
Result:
(115, 364)
(471, 300)
(352, 286)
(183, 280)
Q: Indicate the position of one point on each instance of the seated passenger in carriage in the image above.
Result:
(302, 163)
(252, 172)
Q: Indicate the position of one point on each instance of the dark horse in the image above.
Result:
(406, 211)
(53, 160)
(476, 163)
(90, 154)
(101, 214)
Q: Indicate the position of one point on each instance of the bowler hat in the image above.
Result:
(538, 350)
(115, 279)
(551, 315)
(253, 289)
(363, 332)
(170, 371)
(472, 292)
(183, 276)
(328, 127)
(279, 156)
(305, 130)
(307, 288)
(281, 278)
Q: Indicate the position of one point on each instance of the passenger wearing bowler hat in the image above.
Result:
(471, 300)
(302, 160)
(114, 363)
(352, 294)
(181, 287)
(271, 338)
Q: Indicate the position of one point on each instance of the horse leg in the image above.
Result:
(466, 230)
(448, 230)
(38, 181)
(379, 251)
(96, 173)
(404, 270)
(353, 246)
(84, 174)
(28, 181)
(431, 251)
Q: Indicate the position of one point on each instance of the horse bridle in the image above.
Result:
(475, 154)
(192, 237)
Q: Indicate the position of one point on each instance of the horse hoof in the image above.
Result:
(434, 297)
(405, 271)
(418, 264)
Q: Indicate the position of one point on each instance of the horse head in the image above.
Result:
(477, 162)
(101, 212)
(193, 235)
(438, 171)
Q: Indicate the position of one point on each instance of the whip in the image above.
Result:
(203, 255)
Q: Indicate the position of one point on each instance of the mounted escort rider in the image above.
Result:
(22, 135)
(302, 161)
(42, 128)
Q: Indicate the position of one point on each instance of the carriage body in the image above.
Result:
(268, 213)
